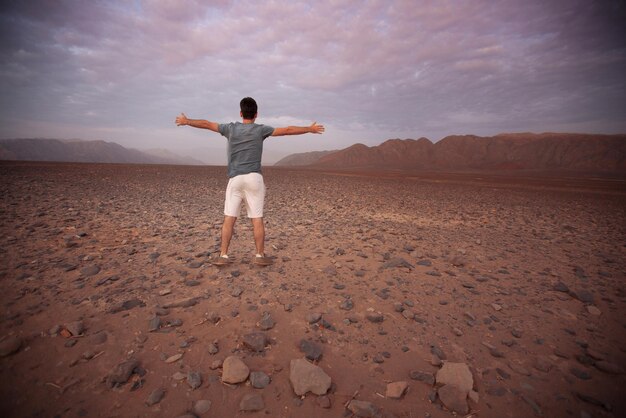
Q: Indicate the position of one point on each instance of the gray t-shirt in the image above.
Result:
(245, 146)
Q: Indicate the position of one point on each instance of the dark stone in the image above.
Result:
(434, 349)
(184, 303)
(259, 380)
(346, 305)
(255, 341)
(311, 350)
(561, 287)
(397, 262)
(127, 305)
(251, 402)
(155, 397)
(364, 409)
(154, 324)
(313, 317)
(121, 373)
(194, 380)
(10, 345)
(327, 325)
(90, 271)
(375, 317)
(583, 295)
(581, 374)
(425, 377)
(266, 322)
(593, 401)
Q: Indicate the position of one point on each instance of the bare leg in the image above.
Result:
(227, 233)
(259, 235)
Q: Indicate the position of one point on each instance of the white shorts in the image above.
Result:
(248, 189)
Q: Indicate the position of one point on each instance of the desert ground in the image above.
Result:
(385, 291)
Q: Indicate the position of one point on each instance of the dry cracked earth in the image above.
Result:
(426, 296)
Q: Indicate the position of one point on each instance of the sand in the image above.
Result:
(519, 278)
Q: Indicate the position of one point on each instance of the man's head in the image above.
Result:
(248, 108)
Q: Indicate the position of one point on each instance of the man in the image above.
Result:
(245, 184)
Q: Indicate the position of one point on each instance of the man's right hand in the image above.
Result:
(181, 120)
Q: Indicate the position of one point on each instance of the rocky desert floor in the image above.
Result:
(420, 296)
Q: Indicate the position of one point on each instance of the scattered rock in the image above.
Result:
(581, 374)
(251, 402)
(306, 377)
(397, 262)
(375, 317)
(259, 380)
(98, 338)
(255, 341)
(179, 376)
(10, 345)
(311, 350)
(456, 374)
(266, 322)
(454, 398)
(536, 408)
(183, 303)
(194, 380)
(174, 358)
(155, 396)
(582, 295)
(346, 305)
(234, 370)
(154, 324)
(518, 368)
(201, 406)
(364, 409)
(561, 287)
(396, 390)
(213, 348)
(90, 270)
(542, 364)
(434, 349)
(425, 377)
(121, 373)
(313, 317)
(608, 367)
(75, 328)
(126, 305)
(593, 310)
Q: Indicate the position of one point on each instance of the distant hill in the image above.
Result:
(304, 158)
(520, 151)
(34, 149)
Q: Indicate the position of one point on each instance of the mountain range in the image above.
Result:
(37, 149)
(519, 151)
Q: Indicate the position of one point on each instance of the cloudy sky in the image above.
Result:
(368, 70)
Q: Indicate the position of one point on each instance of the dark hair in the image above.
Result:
(248, 108)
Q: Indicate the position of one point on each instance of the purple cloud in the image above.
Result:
(369, 70)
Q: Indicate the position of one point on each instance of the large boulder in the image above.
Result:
(457, 374)
(306, 377)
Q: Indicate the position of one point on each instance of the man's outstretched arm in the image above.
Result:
(299, 130)
(182, 120)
